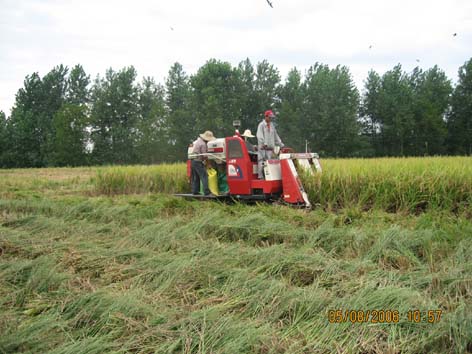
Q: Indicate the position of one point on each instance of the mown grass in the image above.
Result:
(88, 273)
(390, 184)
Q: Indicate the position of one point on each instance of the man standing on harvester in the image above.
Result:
(267, 140)
(198, 168)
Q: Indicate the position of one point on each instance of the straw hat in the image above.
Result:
(207, 136)
(247, 133)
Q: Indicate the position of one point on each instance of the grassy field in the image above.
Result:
(90, 266)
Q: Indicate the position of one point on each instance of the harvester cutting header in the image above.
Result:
(232, 167)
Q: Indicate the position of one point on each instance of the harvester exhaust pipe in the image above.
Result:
(236, 125)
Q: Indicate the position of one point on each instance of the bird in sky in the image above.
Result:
(455, 34)
(270, 4)
(172, 28)
(417, 60)
(370, 47)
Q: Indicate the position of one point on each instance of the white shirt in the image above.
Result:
(268, 136)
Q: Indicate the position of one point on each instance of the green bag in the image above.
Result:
(222, 182)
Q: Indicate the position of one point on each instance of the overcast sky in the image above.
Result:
(153, 34)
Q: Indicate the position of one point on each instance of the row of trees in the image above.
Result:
(64, 118)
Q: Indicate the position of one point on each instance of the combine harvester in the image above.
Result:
(281, 182)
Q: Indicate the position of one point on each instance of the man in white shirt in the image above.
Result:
(198, 171)
(267, 140)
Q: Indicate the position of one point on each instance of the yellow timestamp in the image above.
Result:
(383, 316)
(429, 316)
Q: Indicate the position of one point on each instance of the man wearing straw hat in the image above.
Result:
(267, 139)
(198, 168)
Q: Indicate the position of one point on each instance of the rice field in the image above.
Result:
(165, 178)
(104, 260)
(390, 184)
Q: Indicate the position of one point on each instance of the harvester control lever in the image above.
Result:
(265, 147)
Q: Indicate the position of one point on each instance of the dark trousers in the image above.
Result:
(199, 173)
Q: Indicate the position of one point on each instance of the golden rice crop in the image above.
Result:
(392, 184)
(165, 178)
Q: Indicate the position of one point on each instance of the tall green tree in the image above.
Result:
(152, 143)
(71, 121)
(53, 88)
(114, 117)
(330, 109)
(431, 98)
(215, 97)
(248, 102)
(395, 114)
(23, 125)
(459, 123)
(78, 86)
(266, 87)
(370, 116)
(21, 128)
(291, 110)
(180, 119)
(70, 139)
(31, 128)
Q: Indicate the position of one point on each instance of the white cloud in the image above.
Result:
(37, 35)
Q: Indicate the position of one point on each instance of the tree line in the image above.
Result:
(66, 119)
